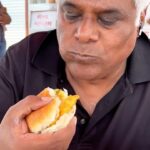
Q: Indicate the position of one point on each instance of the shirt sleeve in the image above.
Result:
(11, 78)
(7, 96)
(16, 71)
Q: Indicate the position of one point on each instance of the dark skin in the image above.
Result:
(95, 38)
(15, 134)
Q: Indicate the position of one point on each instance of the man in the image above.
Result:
(4, 20)
(100, 56)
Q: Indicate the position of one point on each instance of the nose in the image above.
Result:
(87, 31)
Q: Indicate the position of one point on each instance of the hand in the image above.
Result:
(14, 134)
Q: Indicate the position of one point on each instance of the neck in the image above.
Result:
(92, 91)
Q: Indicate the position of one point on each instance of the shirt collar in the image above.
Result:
(47, 57)
(138, 66)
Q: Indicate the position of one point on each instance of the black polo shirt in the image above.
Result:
(121, 120)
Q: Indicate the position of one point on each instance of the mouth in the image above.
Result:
(83, 58)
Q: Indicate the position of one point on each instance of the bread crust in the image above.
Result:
(47, 119)
(43, 117)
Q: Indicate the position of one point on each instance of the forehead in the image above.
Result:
(101, 4)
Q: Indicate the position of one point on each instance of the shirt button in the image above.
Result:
(83, 121)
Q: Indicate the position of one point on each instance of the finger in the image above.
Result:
(20, 110)
(69, 131)
(59, 136)
(52, 140)
(66, 133)
(30, 104)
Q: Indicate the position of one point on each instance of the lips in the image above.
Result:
(84, 58)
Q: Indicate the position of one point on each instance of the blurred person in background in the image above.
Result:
(148, 13)
(4, 20)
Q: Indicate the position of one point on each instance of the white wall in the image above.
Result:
(16, 30)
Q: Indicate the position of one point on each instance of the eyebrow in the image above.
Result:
(112, 11)
(69, 4)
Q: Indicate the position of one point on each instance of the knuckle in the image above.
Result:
(29, 97)
(11, 109)
(32, 98)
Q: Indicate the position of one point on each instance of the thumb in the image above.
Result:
(69, 131)
(72, 123)
(21, 109)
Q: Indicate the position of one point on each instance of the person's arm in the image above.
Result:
(13, 70)
(4, 16)
(11, 82)
(14, 134)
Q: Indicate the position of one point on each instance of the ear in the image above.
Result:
(142, 22)
(143, 15)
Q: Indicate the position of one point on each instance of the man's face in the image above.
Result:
(96, 36)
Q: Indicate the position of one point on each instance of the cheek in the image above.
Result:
(65, 36)
(60, 28)
(63, 28)
(63, 32)
(120, 43)
(127, 42)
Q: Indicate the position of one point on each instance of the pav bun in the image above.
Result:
(55, 115)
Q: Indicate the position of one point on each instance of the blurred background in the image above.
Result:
(30, 16)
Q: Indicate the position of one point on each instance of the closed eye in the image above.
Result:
(107, 21)
(71, 15)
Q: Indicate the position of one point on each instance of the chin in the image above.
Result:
(84, 72)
